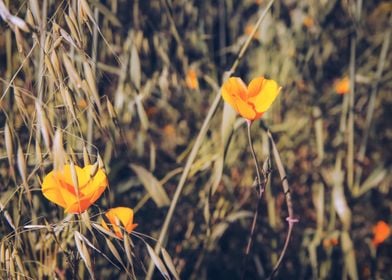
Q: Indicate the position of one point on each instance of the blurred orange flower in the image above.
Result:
(330, 242)
(73, 188)
(342, 86)
(250, 102)
(381, 232)
(248, 31)
(191, 79)
(308, 22)
(120, 216)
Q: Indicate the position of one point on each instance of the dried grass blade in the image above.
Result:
(9, 146)
(82, 249)
(128, 249)
(114, 251)
(23, 171)
(152, 185)
(104, 231)
(135, 68)
(72, 73)
(158, 262)
(59, 155)
(82, 237)
(169, 263)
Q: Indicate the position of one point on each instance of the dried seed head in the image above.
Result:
(84, 11)
(19, 23)
(29, 18)
(68, 38)
(94, 169)
(35, 9)
(38, 154)
(112, 112)
(86, 158)
(72, 73)
(48, 43)
(19, 41)
(50, 69)
(71, 15)
(19, 102)
(19, 263)
(74, 30)
(57, 42)
(21, 164)
(43, 124)
(100, 162)
(2, 250)
(58, 150)
(56, 64)
(91, 81)
(74, 178)
(68, 100)
(9, 146)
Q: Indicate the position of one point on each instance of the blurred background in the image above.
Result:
(131, 83)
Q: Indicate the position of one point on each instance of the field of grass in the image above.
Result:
(108, 104)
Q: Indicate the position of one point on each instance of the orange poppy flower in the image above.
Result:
(250, 102)
(191, 79)
(61, 188)
(381, 232)
(120, 216)
(342, 86)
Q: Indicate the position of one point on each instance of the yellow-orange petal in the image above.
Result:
(78, 206)
(65, 175)
(234, 92)
(267, 95)
(51, 189)
(58, 187)
(246, 110)
(115, 228)
(124, 216)
(98, 181)
(234, 86)
(255, 86)
(381, 232)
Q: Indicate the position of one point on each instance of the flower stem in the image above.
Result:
(257, 165)
(261, 187)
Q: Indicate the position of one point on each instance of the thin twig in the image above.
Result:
(196, 146)
(286, 190)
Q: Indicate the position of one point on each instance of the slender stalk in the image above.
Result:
(197, 145)
(286, 190)
(261, 187)
(257, 165)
